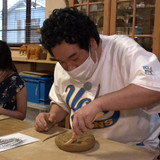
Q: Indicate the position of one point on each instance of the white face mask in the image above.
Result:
(85, 70)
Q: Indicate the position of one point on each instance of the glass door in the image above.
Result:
(135, 18)
(95, 9)
(138, 19)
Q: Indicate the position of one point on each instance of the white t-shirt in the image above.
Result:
(122, 62)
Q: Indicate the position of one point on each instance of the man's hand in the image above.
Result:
(84, 117)
(44, 121)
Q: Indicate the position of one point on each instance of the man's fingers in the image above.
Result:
(41, 122)
(89, 125)
(51, 118)
(75, 126)
(85, 124)
(81, 125)
(38, 128)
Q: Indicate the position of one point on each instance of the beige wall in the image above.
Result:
(53, 4)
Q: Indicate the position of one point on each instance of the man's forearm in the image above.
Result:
(130, 97)
(59, 113)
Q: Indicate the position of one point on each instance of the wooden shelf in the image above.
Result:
(34, 61)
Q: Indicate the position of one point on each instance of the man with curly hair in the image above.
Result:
(98, 73)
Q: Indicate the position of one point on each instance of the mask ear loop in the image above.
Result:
(95, 54)
(89, 51)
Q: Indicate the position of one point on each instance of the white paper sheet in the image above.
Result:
(15, 140)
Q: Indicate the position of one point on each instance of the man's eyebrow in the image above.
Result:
(72, 55)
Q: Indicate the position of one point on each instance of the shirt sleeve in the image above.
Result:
(138, 66)
(142, 68)
(55, 94)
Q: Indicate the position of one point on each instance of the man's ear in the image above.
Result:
(93, 44)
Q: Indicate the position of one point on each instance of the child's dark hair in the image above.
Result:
(5, 57)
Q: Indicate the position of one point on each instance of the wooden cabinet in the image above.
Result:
(138, 19)
(97, 10)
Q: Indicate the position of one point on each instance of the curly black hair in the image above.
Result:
(70, 25)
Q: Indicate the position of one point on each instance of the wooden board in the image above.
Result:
(12, 125)
(103, 150)
(3, 117)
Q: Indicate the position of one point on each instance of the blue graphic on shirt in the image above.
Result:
(107, 122)
(148, 70)
(78, 102)
(70, 93)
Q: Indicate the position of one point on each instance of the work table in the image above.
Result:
(10, 125)
(103, 150)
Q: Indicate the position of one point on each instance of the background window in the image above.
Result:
(19, 20)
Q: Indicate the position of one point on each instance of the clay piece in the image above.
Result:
(81, 143)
